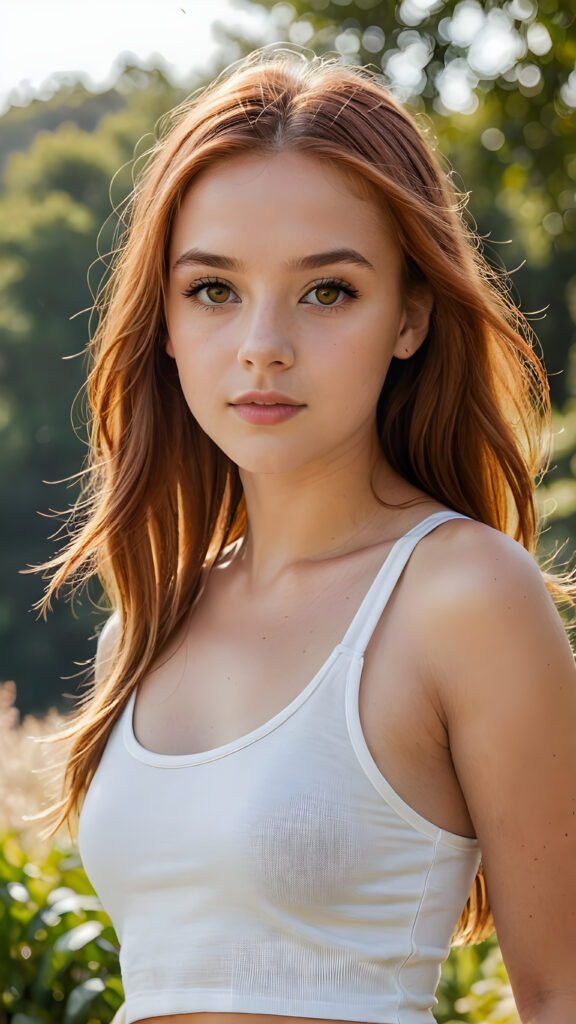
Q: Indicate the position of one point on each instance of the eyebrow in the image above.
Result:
(198, 257)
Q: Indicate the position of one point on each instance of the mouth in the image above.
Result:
(266, 412)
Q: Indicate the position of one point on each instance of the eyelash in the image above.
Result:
(330, 282)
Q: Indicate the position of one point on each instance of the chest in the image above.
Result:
(238, 665)
(239, 661)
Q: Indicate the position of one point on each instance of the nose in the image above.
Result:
(265, 341)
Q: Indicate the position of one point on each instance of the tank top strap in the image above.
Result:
(375, 601)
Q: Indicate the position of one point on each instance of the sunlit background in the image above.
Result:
(42, 43)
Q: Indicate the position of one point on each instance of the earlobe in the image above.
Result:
(168, 347)
(415, 323)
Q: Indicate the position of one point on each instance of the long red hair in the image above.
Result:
(466, 419)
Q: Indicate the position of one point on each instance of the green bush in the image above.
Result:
(475, 987)
(58, 951)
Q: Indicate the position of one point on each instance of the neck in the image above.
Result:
(318, 513)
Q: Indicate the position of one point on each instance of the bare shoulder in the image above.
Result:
(485, 614)
(108, 641)
(465, 545)
(465, 568)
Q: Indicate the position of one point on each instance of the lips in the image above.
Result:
(266, 408)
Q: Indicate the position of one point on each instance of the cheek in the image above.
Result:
(202, 373)
(183, 335)
(191, 349)
(368, 352)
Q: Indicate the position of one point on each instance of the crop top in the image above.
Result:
(279, 873)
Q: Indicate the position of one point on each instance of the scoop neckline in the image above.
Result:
(142, 753)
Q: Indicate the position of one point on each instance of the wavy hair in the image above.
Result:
(466, 419)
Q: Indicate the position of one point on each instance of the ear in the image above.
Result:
(168, 347)
(415, 321)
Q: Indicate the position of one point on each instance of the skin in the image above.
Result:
(471, 716)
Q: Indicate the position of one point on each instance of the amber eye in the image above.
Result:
(327, 295)
(217, 293)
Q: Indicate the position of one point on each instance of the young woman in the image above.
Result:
(334, 680)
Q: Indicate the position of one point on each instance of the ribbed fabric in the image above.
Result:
(279, 873)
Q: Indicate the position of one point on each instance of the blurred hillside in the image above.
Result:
(493, 83)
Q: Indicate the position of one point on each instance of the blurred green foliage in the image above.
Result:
(58, 951)
(55, 199)
(500, 111)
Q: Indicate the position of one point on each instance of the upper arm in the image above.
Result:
(507, 684)
(106, 648)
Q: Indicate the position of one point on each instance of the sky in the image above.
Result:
(39, 38)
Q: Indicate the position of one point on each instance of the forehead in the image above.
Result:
(287, 197)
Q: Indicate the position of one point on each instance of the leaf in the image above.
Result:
(18, 892)
(24, 1018)
(114, 984)
(80, 998)
(75, 903)
(107, 947)
(49, 918)
(78, 937)
(60, 893)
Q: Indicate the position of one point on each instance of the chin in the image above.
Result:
(266, 463)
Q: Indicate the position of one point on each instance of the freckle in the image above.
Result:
(263, 638)
(536, 858)
(304, 651)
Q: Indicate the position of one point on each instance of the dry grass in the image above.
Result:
(30, 770)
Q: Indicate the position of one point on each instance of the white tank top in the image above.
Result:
(279, 873)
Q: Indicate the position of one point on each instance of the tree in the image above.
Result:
(54, 202)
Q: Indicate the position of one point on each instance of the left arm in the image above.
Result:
(506, 681)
